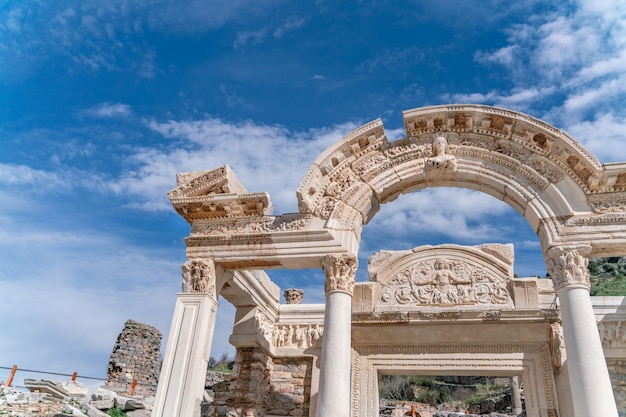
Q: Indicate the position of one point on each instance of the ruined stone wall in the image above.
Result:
(617, 372)
(245, 392)
(291, 387)
(261, 385)
(135, 356)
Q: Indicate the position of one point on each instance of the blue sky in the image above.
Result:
(102, 103)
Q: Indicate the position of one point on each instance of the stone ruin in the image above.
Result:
(136, 356)
(445, 310)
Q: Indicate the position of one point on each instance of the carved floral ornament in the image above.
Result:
(199, 276)
(568, 267)
(444, 282)
(340, 272)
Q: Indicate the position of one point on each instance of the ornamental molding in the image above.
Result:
(369, 360)
(380, 317)
(257, 225)
(373, 349)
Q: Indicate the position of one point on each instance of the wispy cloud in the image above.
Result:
(265, 158)
(253, 37)
(571, 62)
(105, 110)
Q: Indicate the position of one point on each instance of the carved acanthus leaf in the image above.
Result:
(340, 272)
(568, 267)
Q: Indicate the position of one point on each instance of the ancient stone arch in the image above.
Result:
(576, 205)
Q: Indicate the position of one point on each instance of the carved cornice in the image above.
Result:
(229, 206)
(340, 272)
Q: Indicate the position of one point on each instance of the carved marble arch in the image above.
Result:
(558, 186)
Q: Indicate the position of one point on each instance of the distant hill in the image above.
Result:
(608, 275)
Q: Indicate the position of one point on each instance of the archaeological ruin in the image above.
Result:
(429, 310)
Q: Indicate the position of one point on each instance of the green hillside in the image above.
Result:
(608, 276)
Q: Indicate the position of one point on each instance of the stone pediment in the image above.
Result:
(216, 194)
(442, 276)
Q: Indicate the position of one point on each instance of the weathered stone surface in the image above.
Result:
(135, 356)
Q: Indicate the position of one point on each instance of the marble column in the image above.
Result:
(334, 386)
(183, 372)
(592, 393)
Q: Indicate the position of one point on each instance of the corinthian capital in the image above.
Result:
(199, 276)
(340, 272)
(568, 267)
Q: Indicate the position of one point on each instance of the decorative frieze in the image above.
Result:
(340, 273)
(297, 336)
(380, 317)
(608, 204)
(491, 315)
(612, 334)
(439, 315)
(268, 224)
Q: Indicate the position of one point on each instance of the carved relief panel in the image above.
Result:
(442, 282)
(446, 275)
(199, 276)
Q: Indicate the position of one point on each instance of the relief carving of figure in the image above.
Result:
(198, 276)
(441, 160)
(441, 286)
(445, 282)
(297, 336)
(557, 345)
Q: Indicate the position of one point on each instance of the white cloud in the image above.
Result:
(21, 174)
(253, 37)
(604, 136)
(106, 110)
(264, 158)
(520, 99)
(456, 213)
(571, 62)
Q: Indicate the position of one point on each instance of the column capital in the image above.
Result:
(340, 271)
(199, 276)
(567, 265)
